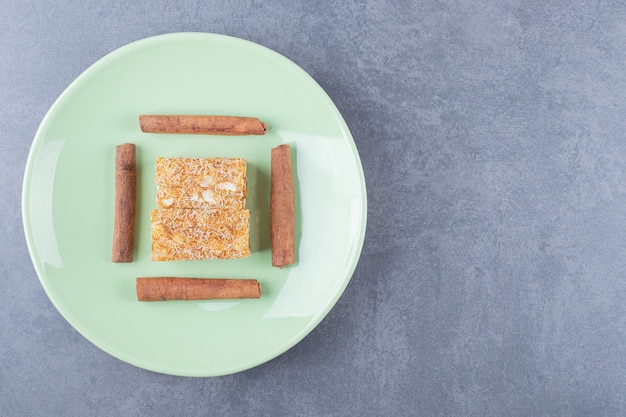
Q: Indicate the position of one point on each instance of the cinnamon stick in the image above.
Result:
(282, 208)
(172, 288)
(203, 125)
(125, 198)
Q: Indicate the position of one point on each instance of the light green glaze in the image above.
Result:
(69, 188)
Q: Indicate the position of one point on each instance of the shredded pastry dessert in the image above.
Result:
(179, 234)
(201, 183)
(202, 211)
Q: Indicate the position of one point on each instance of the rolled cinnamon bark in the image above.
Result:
(172, 288)
(282, 208)
(202, 125)
(125, 199)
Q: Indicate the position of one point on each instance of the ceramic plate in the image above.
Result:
(69, 189)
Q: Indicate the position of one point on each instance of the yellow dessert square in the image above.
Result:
(201, 183)
(179, 234)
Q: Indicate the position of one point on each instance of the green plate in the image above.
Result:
(69, 190)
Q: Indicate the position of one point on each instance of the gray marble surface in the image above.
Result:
(492, 280)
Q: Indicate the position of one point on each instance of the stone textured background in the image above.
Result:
(493, 277)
